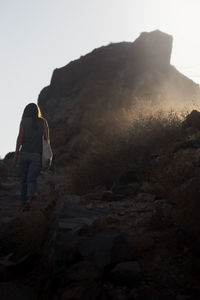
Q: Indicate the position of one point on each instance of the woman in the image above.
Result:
(29, 149)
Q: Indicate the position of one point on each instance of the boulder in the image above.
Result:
(106, 248)
(75, 217)
(192, 122)
(16, 290)
(161, 297)
(8, 186)
(3, 170)
(127, 273)
(12, 267)
(84, 271)
(65, 209)
(62, 250)
(165, 212)
(145, 197)
(8, 242)
(86, 97)
(9, 156)
(84, 291)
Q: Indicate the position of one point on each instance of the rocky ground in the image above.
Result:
(125, 243)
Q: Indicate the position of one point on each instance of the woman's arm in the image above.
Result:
(19, 142)
(46, 130)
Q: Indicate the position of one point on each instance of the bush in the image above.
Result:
(129, 146)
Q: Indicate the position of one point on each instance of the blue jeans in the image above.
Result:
(29, 166)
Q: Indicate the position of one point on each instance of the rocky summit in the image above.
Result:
(85, 94)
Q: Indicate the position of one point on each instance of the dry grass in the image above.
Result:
(130, 141)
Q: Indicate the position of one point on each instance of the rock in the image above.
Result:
(146, 44)
(12, 171)
(74, 199)
(16, 290)
(83, 96)
(148, 292)
(126, 184)
(106, 248)
(68, 233)
(9, 156)
(8, 242)
(141, 241)
(3, 170)
(144, 197)
(84, 291)
(127, 177)
(127, 273)
(7, 220)
(84, 271)
(165, 211)
(75, 217)
(62, 250)
(12, 268)
(117, 293)
(153, 189)
(108, 196)
(192, 122)
(19, 265)
(191, 144)
(159, 297)
(8, 186)
(119, 191)
(75, 225)
(64, 209)
(98, 193)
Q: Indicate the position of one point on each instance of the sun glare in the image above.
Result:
(185, 30)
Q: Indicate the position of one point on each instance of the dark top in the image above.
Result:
(32, 140)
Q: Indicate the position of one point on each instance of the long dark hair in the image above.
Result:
(32, 110)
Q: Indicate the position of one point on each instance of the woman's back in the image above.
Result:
(32, 139)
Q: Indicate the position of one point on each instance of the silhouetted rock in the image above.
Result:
(3, 170)
(192, 122)
(63, 250)
(84, 271)
(16, 290)
(8, 242)
(76, 218)
(106, 248)
(126, 273)
(9, 156)
(84, 95)
(154, 297)
(85, 290)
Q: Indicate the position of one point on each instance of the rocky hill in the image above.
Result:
(85, 95)
(136, 238)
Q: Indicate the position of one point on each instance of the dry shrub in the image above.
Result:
(139, 133)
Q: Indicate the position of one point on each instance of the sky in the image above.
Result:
(38, 36)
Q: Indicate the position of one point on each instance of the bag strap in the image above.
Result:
(45, 124)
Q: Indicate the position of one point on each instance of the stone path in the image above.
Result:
(82, 226)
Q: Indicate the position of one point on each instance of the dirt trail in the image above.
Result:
(158, 247)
